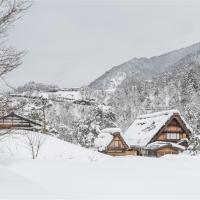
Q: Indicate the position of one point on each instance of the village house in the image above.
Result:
(13, 121)
(111, 142)
(155, 134)
(159, 133)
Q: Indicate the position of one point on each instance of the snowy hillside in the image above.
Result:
(17, 145)
(16, 149)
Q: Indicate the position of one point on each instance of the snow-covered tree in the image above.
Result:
(39, 112)
(194, 144)
(32, 86)
(84, 131)
(5, 106)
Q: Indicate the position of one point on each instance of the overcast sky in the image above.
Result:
(70, 43)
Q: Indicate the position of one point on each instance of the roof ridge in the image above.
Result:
(155, 114)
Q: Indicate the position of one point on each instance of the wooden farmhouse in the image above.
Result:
(111, 142)
(13, 121)
(159, 133)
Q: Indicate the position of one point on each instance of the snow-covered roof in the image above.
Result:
(105, 137)
(159, 144)
(145, 127)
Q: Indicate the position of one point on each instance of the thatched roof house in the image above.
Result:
(159, 133)
(111, 142)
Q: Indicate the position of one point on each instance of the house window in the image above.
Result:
(173, 136)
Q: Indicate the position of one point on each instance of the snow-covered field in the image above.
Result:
(15, 186)
(66, 171)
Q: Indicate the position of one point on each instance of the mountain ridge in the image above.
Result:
(136, 66)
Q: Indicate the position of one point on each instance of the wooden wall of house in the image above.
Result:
(166, 150)
(116, 144)
(15, 123)
(119, 148)
(173, 127)
(131, 152)
(163, 136)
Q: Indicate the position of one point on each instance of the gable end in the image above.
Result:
(180, 122)
(118, 135)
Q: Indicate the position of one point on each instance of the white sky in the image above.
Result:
(72, 43)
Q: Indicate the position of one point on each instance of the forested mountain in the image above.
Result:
(152, 84)
(142, 68)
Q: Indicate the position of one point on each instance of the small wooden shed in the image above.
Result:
(14, 121)
(111, 142)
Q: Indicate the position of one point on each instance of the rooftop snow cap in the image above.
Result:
(145, 127)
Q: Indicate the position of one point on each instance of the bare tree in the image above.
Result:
(10, 58)
(33, 142)
(10, 11)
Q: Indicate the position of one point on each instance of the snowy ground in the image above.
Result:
(15, 186)
(72, 172)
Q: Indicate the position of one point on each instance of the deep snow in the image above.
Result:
(15, 186)
(86, 174)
